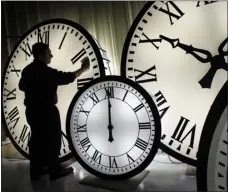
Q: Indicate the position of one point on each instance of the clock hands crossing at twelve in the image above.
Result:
(110, 126)
(217, 62)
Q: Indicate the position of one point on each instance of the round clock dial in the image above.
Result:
(177, 52)
(212, 154)
(69, 43)
(113, 127)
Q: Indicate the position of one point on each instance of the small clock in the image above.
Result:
(177, 51)
(212, 162)
(69, 43)
(113, 127)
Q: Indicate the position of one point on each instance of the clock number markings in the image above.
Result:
(25, 135)
(143, 73)
(11, 95)
(160, 101)
(78, 56)
(125, 95)
(44, 37)
(141, 144)
(27, 50)
(86, 112)
(145, 125)
(109, 92)
(130, 159)
(178, 134)
(140, 106)
(205, 3)
(167, 11)
(63, 142)
(94, 98)
(148, 40)
(112, 162)
(81, 128)
(64, 36)
(13, 116)
(15, 70)
(97, 156)
(84, 143)
(82, 82)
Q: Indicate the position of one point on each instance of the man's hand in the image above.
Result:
(85, 64)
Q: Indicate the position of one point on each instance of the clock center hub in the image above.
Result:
(125, 127)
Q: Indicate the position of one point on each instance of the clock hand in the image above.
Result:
(189, 49)
(221, 47)
(110, 126)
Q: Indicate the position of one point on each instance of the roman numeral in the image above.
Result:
(82, 82)
(78, 56)
(84, 143)
(125, 95)
(97, 157)
(63, 141)
(11, 95)
(64, 36)
(86, 112)
(109, 92)
(167, 11)
(141, 144)
(148, 40)
(130, 159)
(112, 162)
(178, 133)
(144, 125)
(143, 73)
(15, 70)
(25, 134)
(160, 101)
(44, 37)
(138, 107)
(81, 128)
(205, 2)
(13, 116)
(27, 50)
(94, 98)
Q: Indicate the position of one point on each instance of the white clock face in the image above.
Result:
(69, 43)
(212, 155)
(177, 51)
(113, 134)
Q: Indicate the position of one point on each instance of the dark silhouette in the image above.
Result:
(39, 83)
(217, 61)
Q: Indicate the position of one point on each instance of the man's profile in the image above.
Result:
(39, 83)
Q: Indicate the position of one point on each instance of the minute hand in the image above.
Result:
(189, 49)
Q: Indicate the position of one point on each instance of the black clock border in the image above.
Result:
(23, 37)
(213, 117)
(157, 121)
(127, 42)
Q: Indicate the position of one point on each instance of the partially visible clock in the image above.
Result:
(69, 43)
(176, 50)
(212, 162)
(113, 127)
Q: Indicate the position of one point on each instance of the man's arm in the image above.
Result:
(64, 78)
(22, 82)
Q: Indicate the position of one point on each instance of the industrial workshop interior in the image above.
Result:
(114, 96)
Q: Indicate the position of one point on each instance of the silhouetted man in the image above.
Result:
(39, 83)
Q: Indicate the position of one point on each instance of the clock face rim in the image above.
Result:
(157, 136)
(22, 38)
(123, 72)
(209, 129)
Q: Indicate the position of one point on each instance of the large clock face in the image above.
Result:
(113, 128)
(212, 155)
(176, 50)
(69, 43)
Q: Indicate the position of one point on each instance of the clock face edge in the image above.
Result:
(214, 116)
